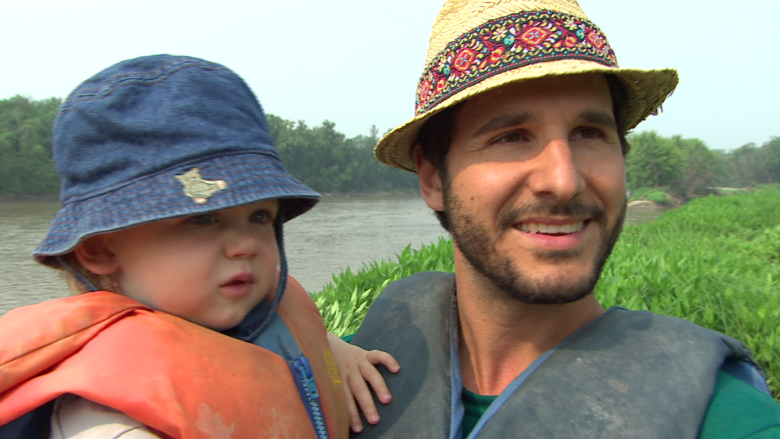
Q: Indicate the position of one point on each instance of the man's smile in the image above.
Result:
(551, 229)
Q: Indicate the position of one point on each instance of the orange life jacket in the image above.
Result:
(179, 378)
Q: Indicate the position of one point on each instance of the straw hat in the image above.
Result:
(480, 45)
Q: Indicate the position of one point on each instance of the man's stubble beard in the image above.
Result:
(479, 249)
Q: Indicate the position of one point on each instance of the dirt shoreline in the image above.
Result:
(646, 205)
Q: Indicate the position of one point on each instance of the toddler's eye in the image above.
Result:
(202, 220)
(262, 217)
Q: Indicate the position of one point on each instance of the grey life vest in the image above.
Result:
(628, 374)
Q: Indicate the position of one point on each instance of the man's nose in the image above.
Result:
(556, 175)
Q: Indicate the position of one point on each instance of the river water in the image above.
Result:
(337, 233)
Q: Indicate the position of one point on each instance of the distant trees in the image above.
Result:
(327, 161)
(25, 146)
(653, 161)
(750, 164)
(320, 156)
(701, 166)
(688, 168)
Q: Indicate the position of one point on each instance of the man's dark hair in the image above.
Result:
(435, 136)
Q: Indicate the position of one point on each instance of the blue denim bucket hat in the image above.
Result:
(159, 137)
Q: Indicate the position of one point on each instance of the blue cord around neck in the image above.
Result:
(282, 284)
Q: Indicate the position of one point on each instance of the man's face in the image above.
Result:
(535, 188)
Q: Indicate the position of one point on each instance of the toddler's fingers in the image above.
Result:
(381, 357)
(373, 377)
(354, 417)
(362, 395)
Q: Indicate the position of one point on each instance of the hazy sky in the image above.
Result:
(356, 62)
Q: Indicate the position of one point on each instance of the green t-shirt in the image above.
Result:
(737, 410)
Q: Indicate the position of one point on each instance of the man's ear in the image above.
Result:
(94, 255)
(430, 180)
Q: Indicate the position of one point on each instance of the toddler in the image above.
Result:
(173, 200)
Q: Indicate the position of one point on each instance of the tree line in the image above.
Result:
(687, 168)
(329, 162)
(323, 158)
(26, 167)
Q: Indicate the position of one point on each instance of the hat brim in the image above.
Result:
(249, 177)
(645, 91)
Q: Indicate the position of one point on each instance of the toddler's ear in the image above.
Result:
(95, 256)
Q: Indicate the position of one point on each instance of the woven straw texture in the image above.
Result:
(645, 90)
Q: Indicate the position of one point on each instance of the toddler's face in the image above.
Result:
(211, 269)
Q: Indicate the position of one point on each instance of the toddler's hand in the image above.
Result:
(357, 366)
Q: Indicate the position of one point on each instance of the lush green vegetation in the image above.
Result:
(714, 261)
(343, 303)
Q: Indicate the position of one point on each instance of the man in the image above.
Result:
(519, 146)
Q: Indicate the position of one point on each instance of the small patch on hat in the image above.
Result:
(197, 188)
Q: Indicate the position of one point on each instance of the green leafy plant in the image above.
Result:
(343, 302)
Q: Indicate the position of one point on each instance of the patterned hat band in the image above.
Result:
(506, 43)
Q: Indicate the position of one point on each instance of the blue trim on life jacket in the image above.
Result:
(456, 379)
(745, 371)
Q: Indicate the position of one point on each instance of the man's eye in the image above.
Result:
(588, 133)
(202, 220)
(262, 217)
(513, 137)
